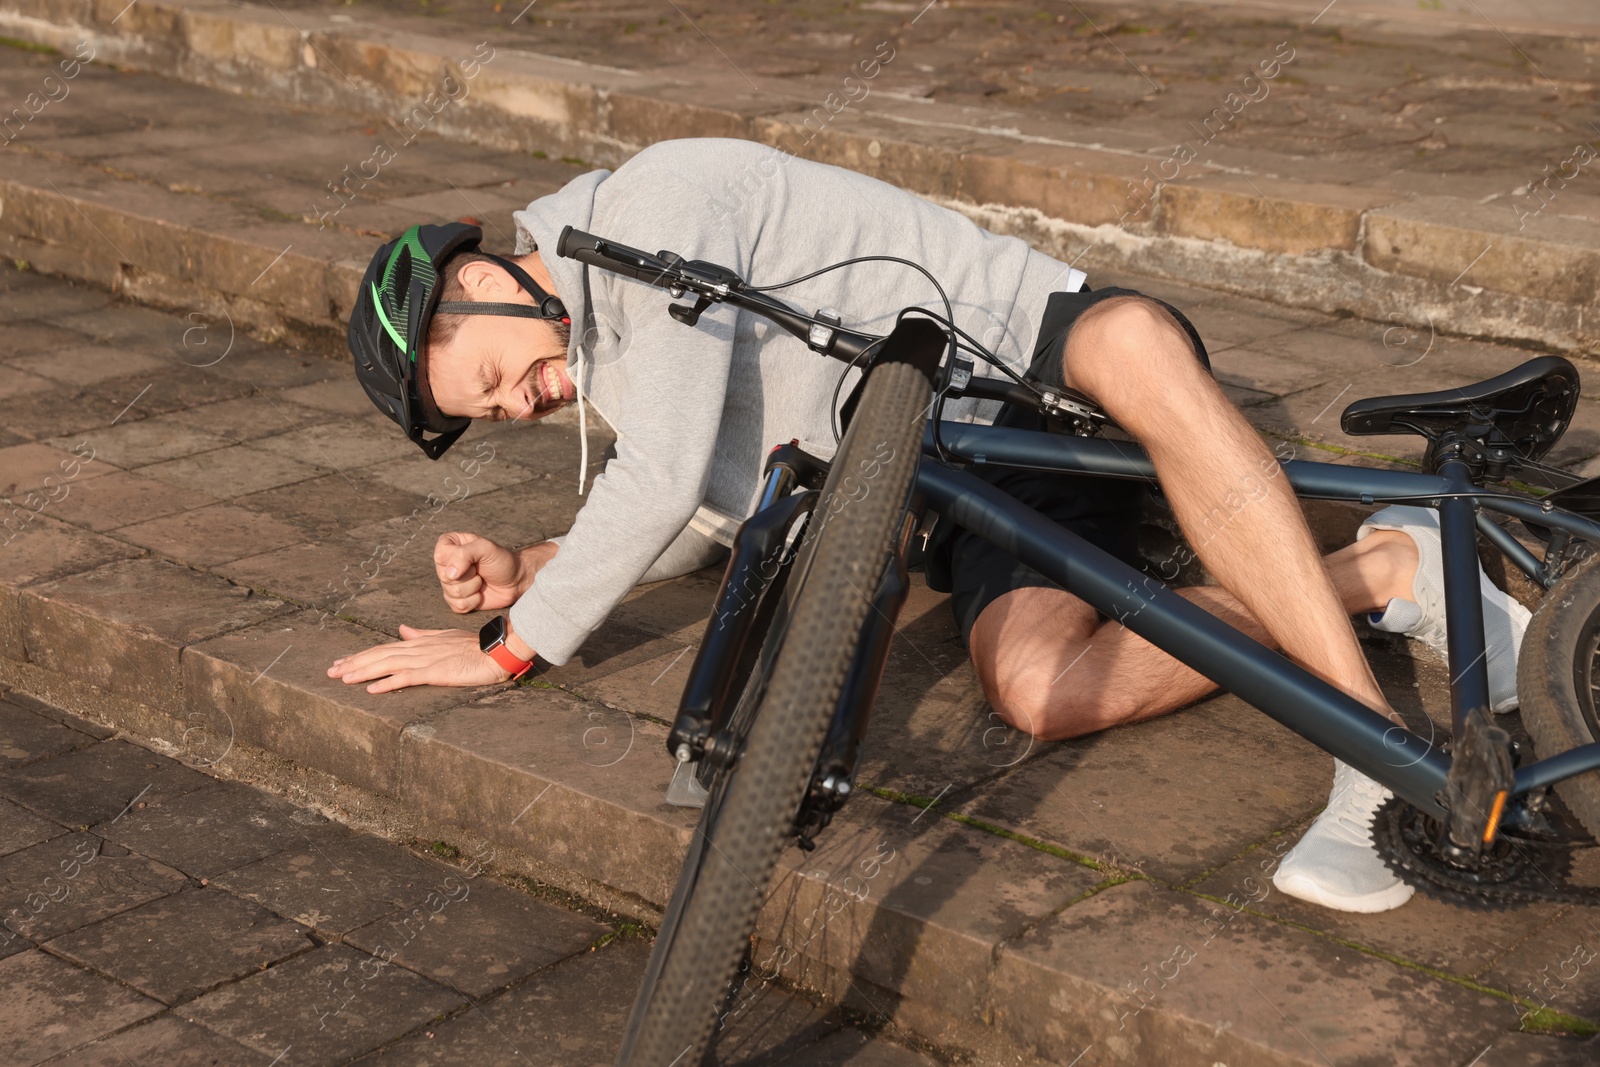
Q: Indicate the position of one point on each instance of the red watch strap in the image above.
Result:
(509, 660)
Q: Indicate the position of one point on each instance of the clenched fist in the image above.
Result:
(477, 574)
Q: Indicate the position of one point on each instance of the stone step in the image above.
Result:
(1301, 230)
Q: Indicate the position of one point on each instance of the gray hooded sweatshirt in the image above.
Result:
(696, 409)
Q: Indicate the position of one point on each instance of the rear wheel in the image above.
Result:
(1558, 682)
(749, 814)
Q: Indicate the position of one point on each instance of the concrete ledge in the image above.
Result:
(1438, 261)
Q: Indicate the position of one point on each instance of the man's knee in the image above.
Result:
(1126, 341)
(1045, 703)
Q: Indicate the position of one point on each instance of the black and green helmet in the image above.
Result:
(388, 333)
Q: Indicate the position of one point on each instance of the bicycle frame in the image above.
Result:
(1410, 765)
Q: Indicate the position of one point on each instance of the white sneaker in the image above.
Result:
(1335, 863)
(1504, 620)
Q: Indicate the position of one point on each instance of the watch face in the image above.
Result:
(492, 634)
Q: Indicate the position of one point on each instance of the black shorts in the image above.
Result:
(1103, 511)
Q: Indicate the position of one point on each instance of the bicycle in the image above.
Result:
(783, 683)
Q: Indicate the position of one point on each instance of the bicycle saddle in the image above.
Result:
(1513, 417)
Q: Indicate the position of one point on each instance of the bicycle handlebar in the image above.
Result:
(712, 283)
(821, 331)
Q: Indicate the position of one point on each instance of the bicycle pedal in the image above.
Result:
(1482, 775)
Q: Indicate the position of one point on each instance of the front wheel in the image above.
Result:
(1558, 682)
(749, 813)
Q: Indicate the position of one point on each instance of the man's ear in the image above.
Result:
(486, 280)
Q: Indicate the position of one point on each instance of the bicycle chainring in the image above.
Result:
(1513, 871)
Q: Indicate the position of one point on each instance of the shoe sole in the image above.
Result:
(1303, 888)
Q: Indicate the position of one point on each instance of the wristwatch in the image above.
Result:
(492, 640)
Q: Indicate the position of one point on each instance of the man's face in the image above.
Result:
(498, 368)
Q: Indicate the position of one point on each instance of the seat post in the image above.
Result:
(1458, 535)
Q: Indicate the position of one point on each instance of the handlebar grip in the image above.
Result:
(617, 258)
(572, 241)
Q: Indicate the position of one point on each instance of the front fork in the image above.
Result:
(834, 776)
(752, 586)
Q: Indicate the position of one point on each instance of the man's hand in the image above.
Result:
(425, 657)
(477, 574)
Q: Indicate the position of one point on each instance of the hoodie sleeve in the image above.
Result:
(665, 385)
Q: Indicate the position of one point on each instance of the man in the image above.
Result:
(443, 334)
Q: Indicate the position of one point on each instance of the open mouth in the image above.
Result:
(548, 379)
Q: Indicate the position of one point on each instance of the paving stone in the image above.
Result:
(336, 882)
(52, 1006)
(88, 364)
(68, 882)
(251, 418)
(51, 472)
(419, 475)
(612, 648)
(52, 296)
(266, 367)
(392, 600)
(137, 615)
(128, 324)
(679, 608)
(1221, 985)
(20, 382)
(168, 1040)
(233, 471)
(476, 936)
(1538, 1050)
(47, 548)
(180, 946)
(1424, 931)
(1076, 795)
(547, 446)
(1226, 325)
(911, 902)
(124, 499)
(20, 828)
(931, 729)
(214, 830)
(570, 1014)
(215, 534)
(347, 444)
(329, 1005)
(1266, 372)
(124, 775)
(518, 515)
(331, 504)
(856, 1049)
(342, 395)
(271, 681)
(60, 715)
(653, 687)
(142, 442)
(27, 738)
(65, 410)
(1555, 967)
(173, 390)
(28, 338)
(545, 782)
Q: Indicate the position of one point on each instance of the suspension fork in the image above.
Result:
(834, 777)
(743, 609)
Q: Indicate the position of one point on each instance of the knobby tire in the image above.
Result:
(749, 817)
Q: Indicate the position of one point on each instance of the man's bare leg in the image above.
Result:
(1053, 670)
(1224, 485)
